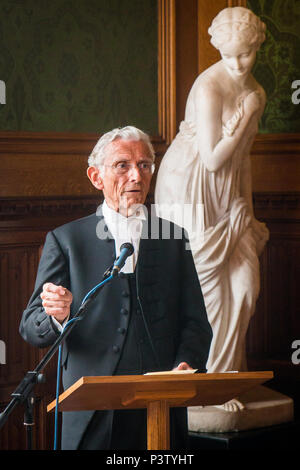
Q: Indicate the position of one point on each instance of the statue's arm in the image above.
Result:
(215, 150)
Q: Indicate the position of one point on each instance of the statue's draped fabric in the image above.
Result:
(223, 236)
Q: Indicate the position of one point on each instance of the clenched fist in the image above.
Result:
(56, 301)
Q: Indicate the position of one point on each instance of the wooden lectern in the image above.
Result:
(157, 393)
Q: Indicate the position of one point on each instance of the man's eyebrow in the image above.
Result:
(121, 158)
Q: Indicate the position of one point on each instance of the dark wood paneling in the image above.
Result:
(276, 323)
(43, 186)
(21, 237)
(276, 163)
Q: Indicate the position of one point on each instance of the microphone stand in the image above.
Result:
(24, 391)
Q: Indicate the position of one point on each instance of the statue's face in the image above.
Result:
(238, 58)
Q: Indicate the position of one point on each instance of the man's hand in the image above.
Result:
(56, 301)
(183, 366)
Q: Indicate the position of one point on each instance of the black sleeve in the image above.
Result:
(196, 332)
(36, 326)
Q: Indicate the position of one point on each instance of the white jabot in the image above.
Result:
(125, 229)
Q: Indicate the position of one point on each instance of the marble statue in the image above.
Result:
(204, 184)
(208, 164)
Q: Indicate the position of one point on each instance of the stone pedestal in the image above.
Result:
(263, 407)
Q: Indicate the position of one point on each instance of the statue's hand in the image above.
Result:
(252, 102)
(260, 233)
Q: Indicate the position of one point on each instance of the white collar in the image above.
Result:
(125, 229)
(110, 215)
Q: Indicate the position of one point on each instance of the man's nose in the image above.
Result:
(135, 173)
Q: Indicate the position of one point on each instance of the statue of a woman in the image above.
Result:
(207, 166)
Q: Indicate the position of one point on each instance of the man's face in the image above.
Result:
(123, 191)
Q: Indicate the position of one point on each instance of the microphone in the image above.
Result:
(125, 250)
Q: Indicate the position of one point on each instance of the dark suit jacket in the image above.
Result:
(169, 289)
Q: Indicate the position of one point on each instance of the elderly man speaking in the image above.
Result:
(149, 318)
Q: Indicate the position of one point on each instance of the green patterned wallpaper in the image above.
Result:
(278, 63)
(82, 66)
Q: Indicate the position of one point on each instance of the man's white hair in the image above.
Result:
(98, 154)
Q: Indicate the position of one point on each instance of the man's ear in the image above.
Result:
(94, 177)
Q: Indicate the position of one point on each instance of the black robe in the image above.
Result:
(74, 256)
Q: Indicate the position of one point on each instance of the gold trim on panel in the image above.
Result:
(166, 70)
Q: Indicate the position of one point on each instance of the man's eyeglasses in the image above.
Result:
(121, 168)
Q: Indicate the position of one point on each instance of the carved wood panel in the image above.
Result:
(276, 324)
(21, 240)
(44, 186)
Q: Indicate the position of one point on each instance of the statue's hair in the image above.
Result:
(98, 154)
(237, 22)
